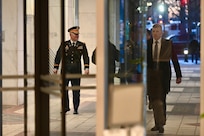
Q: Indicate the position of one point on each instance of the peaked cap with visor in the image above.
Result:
(74, 29)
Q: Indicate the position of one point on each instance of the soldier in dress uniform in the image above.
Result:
(74, 50)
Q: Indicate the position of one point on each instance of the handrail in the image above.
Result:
(56, 88)
(15, 76)
(16, 88)
(50, 78)
(57, 78)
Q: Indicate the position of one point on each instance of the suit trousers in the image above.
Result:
(157, 96)
(158, 111)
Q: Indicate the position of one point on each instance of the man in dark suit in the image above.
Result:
(74, 50)
(113, 57)
(159, 53)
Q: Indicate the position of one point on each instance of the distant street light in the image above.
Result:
(161, 8)
(149, 4)
(160, 16)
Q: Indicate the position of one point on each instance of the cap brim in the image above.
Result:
(73, 28)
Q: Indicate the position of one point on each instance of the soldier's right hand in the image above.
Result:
(55, 71)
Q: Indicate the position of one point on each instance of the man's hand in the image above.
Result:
(178, 80)
(86, 71)
(55, 71)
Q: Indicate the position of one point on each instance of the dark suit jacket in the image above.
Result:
(113, 57)
(159, 80)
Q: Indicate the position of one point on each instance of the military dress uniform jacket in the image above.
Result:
(159, 80)
(73, 56)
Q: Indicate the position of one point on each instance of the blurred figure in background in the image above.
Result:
(148, 34)
(113, 57)
(194, 49)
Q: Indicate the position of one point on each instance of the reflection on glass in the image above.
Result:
(127, 37)
(113, 58)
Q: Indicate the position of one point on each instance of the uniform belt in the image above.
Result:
(73, 62)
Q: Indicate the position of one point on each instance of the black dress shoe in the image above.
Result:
(155, 128)
(75, 112)
(66, 110)
(161, 130)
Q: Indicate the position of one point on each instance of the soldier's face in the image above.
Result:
(74, 36)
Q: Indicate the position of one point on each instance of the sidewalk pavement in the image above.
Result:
(182, 110)
(183, 104)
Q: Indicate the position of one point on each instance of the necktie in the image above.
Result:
(73, 44)
(155, 51)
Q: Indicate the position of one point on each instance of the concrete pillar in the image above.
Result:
(100, 107)
(202, 71)
(54, 21)
(12, 25)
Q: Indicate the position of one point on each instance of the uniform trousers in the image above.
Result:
(75, 93)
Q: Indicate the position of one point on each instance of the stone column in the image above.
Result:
(12, 25)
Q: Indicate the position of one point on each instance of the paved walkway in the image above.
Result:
(183, 103)
(182, 110)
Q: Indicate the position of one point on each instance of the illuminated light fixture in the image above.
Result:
(185, 51)
(149, 4)
(161, 8)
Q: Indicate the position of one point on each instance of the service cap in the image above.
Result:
(74, 29)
